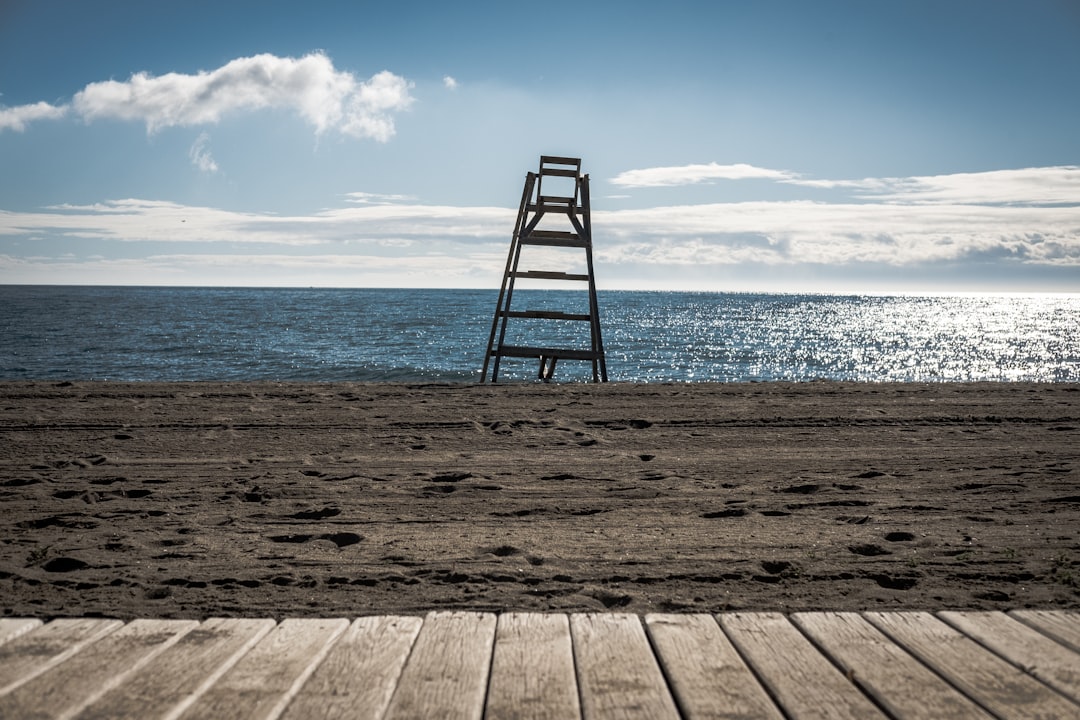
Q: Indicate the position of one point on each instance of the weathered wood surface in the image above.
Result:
(803, 680)
(531, 665)
(884, 671)
(707, 676)
(1060, 625)
(70, 686)
(989, 679)
(618, 675)
(34, 653)
(532, 670)
(264, 681)
(1023, 646)
(172, 681)
(447, 673)
(359, 676)
(14, 627)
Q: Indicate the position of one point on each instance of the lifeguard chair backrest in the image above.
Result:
(565, 192)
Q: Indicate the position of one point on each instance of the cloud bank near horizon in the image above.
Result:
(325, 97)
(1056, 185)
(1015, 219)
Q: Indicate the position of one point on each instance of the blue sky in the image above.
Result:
(768, 145)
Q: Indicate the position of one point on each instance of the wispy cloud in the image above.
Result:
(437, 269)
(17, 118)
(1028, 186)
(327, 98)
(200, 154)
(694, 174)
(1056, 185)
(450, 83)
(370, 198)
(135, 220)
(792, 233)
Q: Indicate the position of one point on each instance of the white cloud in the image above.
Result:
(368, 198)
(1028, 186)
(1057, 185)
(200, 154)
(789, 233)
(17, 118)
(135, 220)
(693, 174)
(327, 98)
(450, 83)
(264, 269)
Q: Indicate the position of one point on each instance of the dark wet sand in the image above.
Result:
(260, 499)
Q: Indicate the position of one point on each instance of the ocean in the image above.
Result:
(182, 334)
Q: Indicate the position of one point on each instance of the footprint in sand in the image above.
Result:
(19, 482)
(327, 512)
(894, 583)
(728, 513)
(341, 539)
(64, 565)
(436, 490)
(809, 489)
(67, 520)
(775, 567)
(451, 477)
(869, 550)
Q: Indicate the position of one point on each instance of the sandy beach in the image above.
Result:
(273, 500)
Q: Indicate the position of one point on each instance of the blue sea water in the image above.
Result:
(175, 334)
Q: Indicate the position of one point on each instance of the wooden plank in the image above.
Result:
(1062, 625)
(27, 656)
(11, 628)
(359, 676)
(532, 670)
(67, 688)
(264, 680)
(705, 672)
(545, 315)
(552, 238)
(992, 682)
(447, 673)
(561, 353)
(1023, 646)
(892, 677)
(560, 209)
(558, 172)
(559, 160)
(172, 681)
(801, 679)
(617, 673)
(554, 234)
(547, 275)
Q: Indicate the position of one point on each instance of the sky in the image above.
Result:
(774, 145)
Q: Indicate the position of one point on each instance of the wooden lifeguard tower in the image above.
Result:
(571, 208)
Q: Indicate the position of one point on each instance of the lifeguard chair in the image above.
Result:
(572, 210)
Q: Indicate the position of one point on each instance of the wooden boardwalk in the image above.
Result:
(1022, 664)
